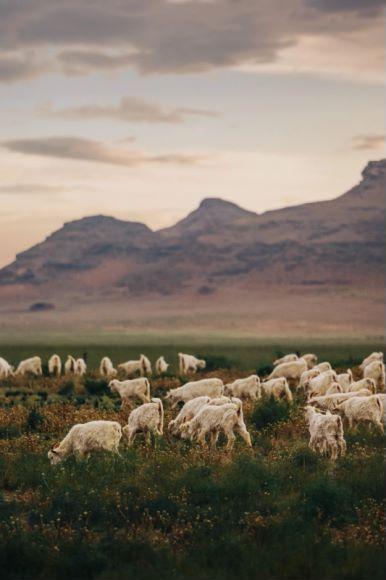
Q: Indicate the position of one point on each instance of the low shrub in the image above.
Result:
(214, 362)
(67, 389)
(270, 411)
(34, 420)
(96, 386)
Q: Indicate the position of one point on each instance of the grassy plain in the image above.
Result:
(172, 510)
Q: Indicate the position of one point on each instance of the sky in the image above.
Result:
(140, 109)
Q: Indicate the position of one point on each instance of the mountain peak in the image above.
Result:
(211, 214)
(374, 169)
(216, 202)
(104, 222)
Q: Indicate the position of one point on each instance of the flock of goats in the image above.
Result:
(210, 407)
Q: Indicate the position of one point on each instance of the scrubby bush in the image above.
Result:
(303, 456)
(67, 389)
(214, 362)
(270, 411)
(263, 370)
(96, 386)
(325, 498)
(34, 420)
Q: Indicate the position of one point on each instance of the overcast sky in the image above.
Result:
(141, 108)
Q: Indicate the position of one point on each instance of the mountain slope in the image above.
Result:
(218, 245)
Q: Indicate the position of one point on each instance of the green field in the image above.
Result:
(174, 510)
(242, 353)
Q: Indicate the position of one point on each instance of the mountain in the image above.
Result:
(212, 213)
(337, 243)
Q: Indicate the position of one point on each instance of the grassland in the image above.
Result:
(175, 511)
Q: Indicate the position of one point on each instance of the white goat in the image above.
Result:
(161, 366)
(188, 363)
(6, 370)
(55, 365)
(320, 384)
(247, 388)
(69, 365)
(375, 356)
(284, 359)
(330, 402)
(367, 410)
(345, 380)
(131, 389)
(106, 368)
(326, 433)
(306, 376)
(141, 366)
(85, 438)
(31, 366)
(323, 366)
(363, 384)
(80, 368)
(376, 370)
(292, 371)
(212, 419)
(277, 388)
(191, 408)
(147, 419)
(210, 387)
(311, 360)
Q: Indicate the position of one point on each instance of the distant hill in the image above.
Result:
(336, 242)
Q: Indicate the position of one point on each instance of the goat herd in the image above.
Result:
(210, 407)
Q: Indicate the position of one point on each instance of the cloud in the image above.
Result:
(16, 68)
(163, 37)
(30, 189)
(87, 150)
(80, 62)
(129, 109)
(370, 7)
(368, 141)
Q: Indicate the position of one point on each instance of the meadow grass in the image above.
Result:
(173, 510)
(244, 353)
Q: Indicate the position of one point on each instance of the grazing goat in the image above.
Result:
(326, 433)
(247, 388)
(161, 366)
(141, 366)
(212, 419)
(85, 438)
(292, 371)
(345, 380)
(31, 366)
(191, 408)
(320, 384)
(188, 363)
(55, 365)
(277, 388)
(311, 360)
(131, 389)
(306, 376)
(80, 368)
(330, 402)
(69, 365)
(376, 370)
(147, 419)
(363, 384)
(284, 359)
(209, 387)
(374, 356)
(6, 370)
(367, 410)
(106, 368)
(323, 366)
